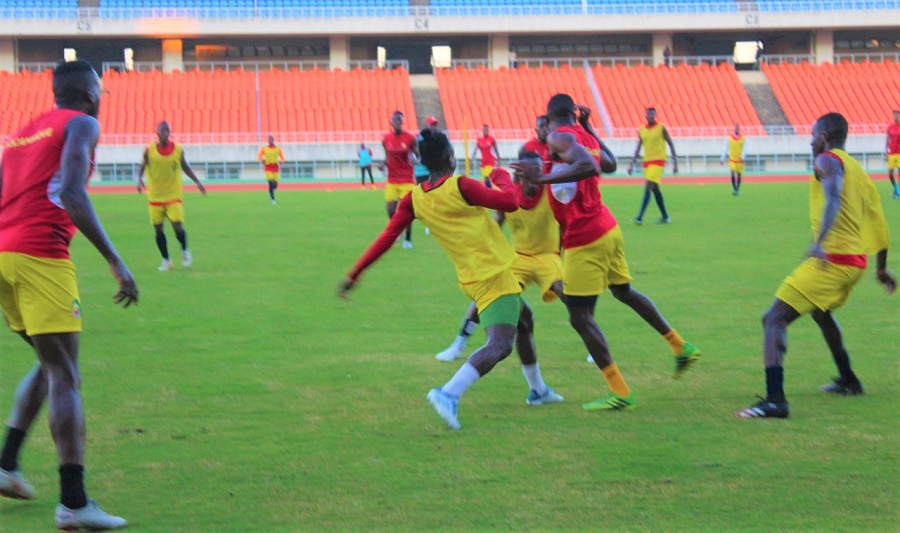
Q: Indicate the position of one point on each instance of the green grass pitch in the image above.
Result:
(242, 395)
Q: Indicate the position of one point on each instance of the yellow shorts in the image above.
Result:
(273, 176)
(39, 295)
(653, 173)
(893, 161)
(588, 270)
(394, 192)
(485, 292)
(736, 167)
(173, 211)
(486, 171)
(543, 270)
(817, 284)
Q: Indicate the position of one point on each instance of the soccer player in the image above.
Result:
(456, 210)
(653, 136)
(524, 237)
(848, 223)
(593, 253)
(364, 153)
(490, 155)
(735, 153)
(164, 162)
(401, 151)
(271, 156)
(43, 201)
(892, 155)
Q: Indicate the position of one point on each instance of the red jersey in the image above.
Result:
(32, 218)
(540, 149)
(397, 149)
(578, 206)
(893, 132)
(486, 146)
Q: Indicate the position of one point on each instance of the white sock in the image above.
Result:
(461, 342)
(462, 380)
(535, 381)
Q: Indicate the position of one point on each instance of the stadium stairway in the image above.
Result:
(763, 99)
(427, 98)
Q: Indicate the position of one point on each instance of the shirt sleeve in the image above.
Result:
(259, 155)
(399, 222)
(475, 193)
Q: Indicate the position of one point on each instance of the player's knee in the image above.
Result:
(620, 292)
(526, 321)
(772, 319)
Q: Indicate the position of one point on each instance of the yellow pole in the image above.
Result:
(468, 163)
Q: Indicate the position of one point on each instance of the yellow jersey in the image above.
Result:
(164, 173)
(736, 149)
(270, 156)
(860, 226)
(467, 233)
(533, 228)
(654, 143)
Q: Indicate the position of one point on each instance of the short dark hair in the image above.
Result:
(651, 108)
(72, 79)
(528, 154)
(835, 125)
(560, 106)
(434, 148)
(398, 112)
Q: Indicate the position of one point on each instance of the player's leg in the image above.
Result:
(847, 383)
(163, 246)
(175, 212)
(893, 164)
(645, 201)
(468, 326)
(499, 318)
(734, 185)
(737, 189)
(581, 317)
(362, 176)
(540, 393)
(58, 354)
(272, 186)
(29, 398)
(660, 203)
(371, 178)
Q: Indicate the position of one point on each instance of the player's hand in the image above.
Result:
(524, 171)
(630, 170)
(816, 251)
(128, 291)
(674, 166)
(202, 189)
(140, 187)
(381, 167)
(345, 287)
(886, 278)
(721, 163)
(584, 115)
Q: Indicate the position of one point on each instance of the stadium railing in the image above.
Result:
(874, 57)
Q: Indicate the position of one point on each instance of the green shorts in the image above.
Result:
(504, 310)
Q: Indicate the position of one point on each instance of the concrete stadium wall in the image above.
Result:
(337, 161)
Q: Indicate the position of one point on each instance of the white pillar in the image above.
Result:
(172, 55)
(660, 42)
(823, 46)
(498, 51)
(8, 55)
(339, 53)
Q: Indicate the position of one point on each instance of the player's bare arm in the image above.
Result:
(82, 133)
(637, 152)
(830, 173)
(414, 148)
(668, 140)
(608, 162)
(140, 174)
(496, 150)
(190, 173)
(883, 274)
(581, 164)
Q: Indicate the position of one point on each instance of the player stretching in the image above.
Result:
(490, 155)
(654, 137)
(43, 200)
(271, 156)
(456, 210)
(164, 162)
(847, 223)
(401, 151)
(892, 155)
(735, 153)
(535, 237)
(593, 253)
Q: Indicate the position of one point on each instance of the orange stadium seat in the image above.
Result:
(865, 93)
(698, 99)
(506, 99)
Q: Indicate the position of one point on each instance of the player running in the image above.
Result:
(456, 210)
